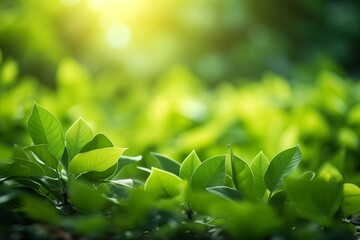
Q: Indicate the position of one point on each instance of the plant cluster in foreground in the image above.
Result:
(70, 186)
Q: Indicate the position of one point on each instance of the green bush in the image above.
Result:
(71, 182)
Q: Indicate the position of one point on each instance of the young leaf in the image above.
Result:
(282, 166)
(99, 141)
(259, 166)
(96, 160)
(226, 192)
(167, 163)
(189, 165)
(242, 174)
(351, 199)
(45, 128)
(78, 135)
(209, 173)
(43, 153)
(163, 183)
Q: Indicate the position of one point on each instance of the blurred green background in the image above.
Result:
(172, 76)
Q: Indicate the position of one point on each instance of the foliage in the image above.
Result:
(81, 193)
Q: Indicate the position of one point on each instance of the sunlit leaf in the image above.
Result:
(95, 160)
(43, 153)
(351, 199)
(282, 165)
(163, 183)
(259, 166)
(189, 165)
(45, 128)
(209, 173)
(78, 135)
(167, 163)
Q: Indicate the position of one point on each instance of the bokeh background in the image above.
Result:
(172, 76)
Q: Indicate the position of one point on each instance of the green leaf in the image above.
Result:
(209, 173)
(99, 141)
(95, 177)
(167, 163)
(112, 172)
(85, 197)
(39, 209)
(163, 183)
(43, 153)
(226, 192)
(189, 165)
(282, 165)
(309, 175)
(78, 135)
(123, 162)
(45, 128)
(329, 173)
(96, 160)
(259, 167)
(22, 167)
(317, 200)
(351, 199)
(242, 174)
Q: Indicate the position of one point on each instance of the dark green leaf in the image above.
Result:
(167, 163)
(99, 141)
(226, 192)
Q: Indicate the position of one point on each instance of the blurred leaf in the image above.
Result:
(226, 192)
(329, 173)
(351, 199)
(85, 197)
(123, 162)
(44, 128)
(317, 200)
(167, 164)
(88, 225)
(282, 166)
(43, 153)
(308, 175)
(209, 173)
(39, 209)
(163, 183)
(189, 165)
(95, 160)
(99, 141)
(78, 135)
(242, 174)
(259, 166)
